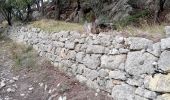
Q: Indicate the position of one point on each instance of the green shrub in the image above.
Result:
(131, 19)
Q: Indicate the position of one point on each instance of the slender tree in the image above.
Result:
(159, 7)
(42, 7)
(57, 9)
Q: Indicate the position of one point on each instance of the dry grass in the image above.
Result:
(56, 26)
(154, 32)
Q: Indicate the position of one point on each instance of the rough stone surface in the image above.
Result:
(105, 61)
(160, 83)
(114, 51)
(164, 97)
(165, 44)
(164, 61)
(119, 39)
(95, 49)
(91, 61)
(103, 73)
(139, 98)
(137, 43)
(145, 93)
(81, 78)
(92, 75)
(80, 56)
(80, 68)
(135, 82)
(156, 49)
(117, 75)
(123, 92)
(138, 63)
(70, 45)
(112, 62)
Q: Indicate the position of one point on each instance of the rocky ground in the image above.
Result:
(41, 82)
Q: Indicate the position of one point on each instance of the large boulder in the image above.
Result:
(139, 63)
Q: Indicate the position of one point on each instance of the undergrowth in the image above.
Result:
(139, 24)
(24, 57)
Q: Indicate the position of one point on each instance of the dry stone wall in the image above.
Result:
(131, 68)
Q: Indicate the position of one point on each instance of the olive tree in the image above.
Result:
(6, 8)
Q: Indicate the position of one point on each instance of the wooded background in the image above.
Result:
(122, 12)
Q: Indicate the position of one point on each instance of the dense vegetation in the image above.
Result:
(121, 12)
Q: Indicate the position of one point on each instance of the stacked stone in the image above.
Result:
(130, 68)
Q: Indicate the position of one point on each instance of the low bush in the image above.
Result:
(132, 19)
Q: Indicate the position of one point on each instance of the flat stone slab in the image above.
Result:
(137, 43)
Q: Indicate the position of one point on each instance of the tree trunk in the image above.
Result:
(7, 14)
(78, 5)
(162, 2)
(57, 9)
(159, 7)
(28, 18)
(42, 7)
(9, 22)
(37, 2)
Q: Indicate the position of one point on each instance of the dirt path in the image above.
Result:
(41, 82)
